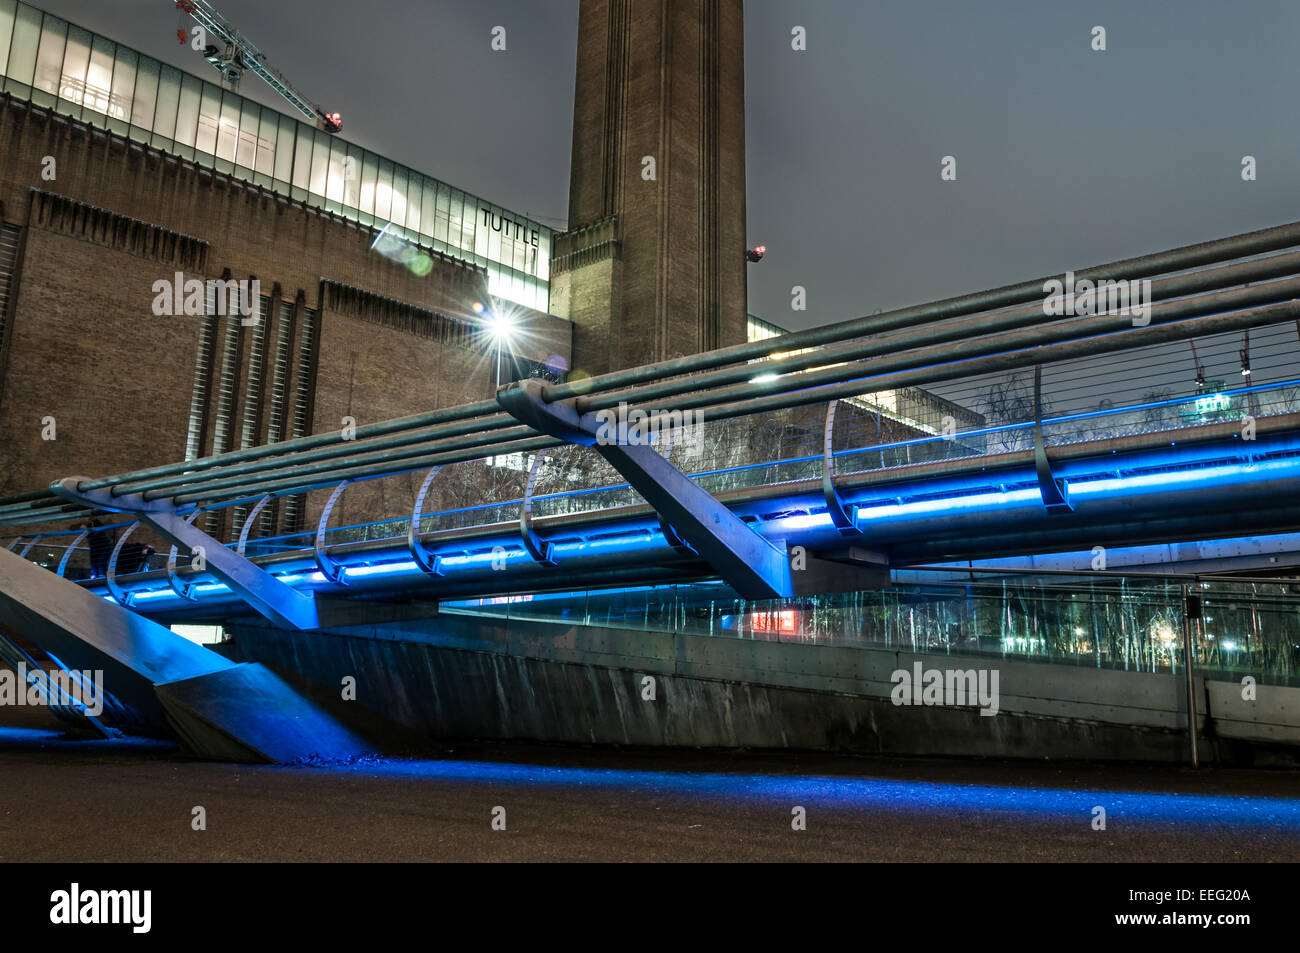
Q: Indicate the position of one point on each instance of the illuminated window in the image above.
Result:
(6, 33)
(228, 132)
(202, 634)
(49, 57)
(247, 147)
(146, 94)
(398, 213)
(780, 622)
(123, 87)
(76, 60)
(266, 140)
(169, 97)
(99, 81)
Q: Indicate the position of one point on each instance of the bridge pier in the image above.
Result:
(219, 709)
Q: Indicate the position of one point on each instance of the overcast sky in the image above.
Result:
(1065, 157)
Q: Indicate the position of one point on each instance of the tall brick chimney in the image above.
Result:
(653, 264)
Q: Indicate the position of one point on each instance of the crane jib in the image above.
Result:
(236, 53)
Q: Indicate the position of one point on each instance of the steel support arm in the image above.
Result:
(1056, 492)
(279, 602)
(745, 560)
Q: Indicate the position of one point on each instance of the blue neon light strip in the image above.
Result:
(866, 515)
(1083, 489)
(742, 468)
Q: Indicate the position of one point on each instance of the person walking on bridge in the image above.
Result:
(101, 547)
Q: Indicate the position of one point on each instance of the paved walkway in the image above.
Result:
(98, 801)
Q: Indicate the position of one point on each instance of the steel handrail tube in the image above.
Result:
(350, 450)
(224, 478)
(1143, 266)
(1187, 256)
(1045, 354)
(1016, 341)
(380, 428)
(962, 330)
(52, 513)
(285, 486)
(394, 455)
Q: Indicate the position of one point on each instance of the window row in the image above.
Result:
(62, 66)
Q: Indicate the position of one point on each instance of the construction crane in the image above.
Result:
(232, 54)
(1200, 371)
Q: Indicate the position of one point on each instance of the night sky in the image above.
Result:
(1065, 157)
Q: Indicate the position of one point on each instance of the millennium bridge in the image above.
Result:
(1097, 499)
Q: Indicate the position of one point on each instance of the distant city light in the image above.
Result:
(1213, 403)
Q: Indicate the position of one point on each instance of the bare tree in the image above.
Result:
(1159, 416)
(1011, 401)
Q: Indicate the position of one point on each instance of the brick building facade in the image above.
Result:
(342, 331)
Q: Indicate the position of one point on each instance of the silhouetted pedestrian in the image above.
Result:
(101, 548)
(134, 557)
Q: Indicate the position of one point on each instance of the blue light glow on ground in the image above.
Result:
(867, 794)
(14, 738)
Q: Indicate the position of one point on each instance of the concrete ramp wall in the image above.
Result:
(218, 708)
(463, 676)
(1272, 716)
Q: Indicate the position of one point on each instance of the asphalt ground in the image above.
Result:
(93, 801)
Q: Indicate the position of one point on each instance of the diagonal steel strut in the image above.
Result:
(745, 560)
(279, 602)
